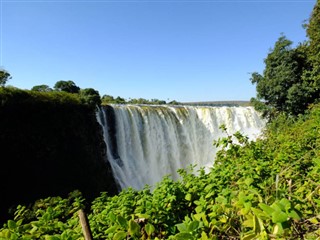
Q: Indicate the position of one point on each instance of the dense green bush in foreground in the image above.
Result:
(268, 189)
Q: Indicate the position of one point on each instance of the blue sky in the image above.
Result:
(169, 50)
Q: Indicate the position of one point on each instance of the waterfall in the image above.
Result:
(145, 143)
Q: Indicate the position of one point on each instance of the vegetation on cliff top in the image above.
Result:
(51, 144)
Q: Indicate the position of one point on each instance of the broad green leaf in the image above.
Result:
(5, 233)
(249, 222)
(267, 209)
(193, 226)
(294, 215)
(142, 215)
(285, 203)
(149, 229)
(209, 187)
(188, 197)
(183, 236)
(12, 224)
(47, 216)
(52, 238)
(246, 208)
(122, 222)
(204, 236)
(198, 216)
(199, 209)
(248, 181)
(120, 235)
(111, 229)
(314, 220)
(134, 228)
(278, 229)
(249, 236)
(112, 217)
(223, 219)
(279, 217)
(258, 226)
(182, 227)
(259, 213)
(14, 236)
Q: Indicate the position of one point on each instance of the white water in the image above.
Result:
(154, 141)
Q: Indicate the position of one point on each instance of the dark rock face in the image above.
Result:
(50, 149)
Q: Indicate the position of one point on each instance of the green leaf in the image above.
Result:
(12, 225)
(249, 222)
(194, 225)
(199, 209)
(259, 213)
(285, 203)
(183, 236)
(111, 229)
(267, 209)
(149, 229)
(278, 229)
(257, 225)
(248, 181)
(52, 238)
(204, 236)
(134, 228)
(112, 217)
(142, 215)
(182, 227)
(122, 222)
(249, 236)
(279, 217)
(294, 215)
(188, 197)
(120, 235)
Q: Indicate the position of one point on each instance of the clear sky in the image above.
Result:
(170, 50)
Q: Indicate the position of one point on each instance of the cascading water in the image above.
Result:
(145, 143)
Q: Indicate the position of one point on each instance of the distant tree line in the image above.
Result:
(107, 99)
(290, 81)
(88, 96)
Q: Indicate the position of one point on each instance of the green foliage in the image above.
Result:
(291, 79)
(107, 99)
(313, 33)
(14, 96)
(41, 88)
(51, 144)
(4, 77)
(50, 218)
(281, 86)
(66, 86)
(90, 97)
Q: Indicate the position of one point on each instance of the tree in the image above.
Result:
(312, 74)
(280, 88)
(90, 97)
(41, 88)
(120, 100)
(291, 79)
(281, 78)
(107, 99)
(4, 77)
(66, 86)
